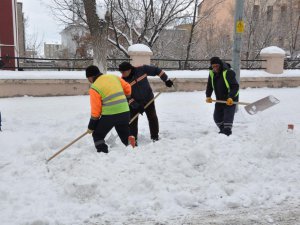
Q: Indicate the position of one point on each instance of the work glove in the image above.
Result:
(141, 109)
(208, 100)
(92, 125)
(229, 101)
(138, 106)
(169, 83)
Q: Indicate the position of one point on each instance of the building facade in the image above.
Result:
(21, 29)
(267, 22)
(8, 32)
(52, 51)
(71, 39)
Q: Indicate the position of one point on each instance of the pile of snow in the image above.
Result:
(190, 171)
(272, 50)
(139, 48)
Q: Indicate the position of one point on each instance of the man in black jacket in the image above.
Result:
(142, 93)
(222, 81)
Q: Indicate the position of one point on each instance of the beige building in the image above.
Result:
(52, 50)
(221, 12)
(272, 22)
(217, 12)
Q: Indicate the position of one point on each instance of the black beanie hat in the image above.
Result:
(92, 71)
(125, 66)
(215, 60)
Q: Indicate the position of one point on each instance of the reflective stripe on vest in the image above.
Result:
(113, 98)
(211, 74)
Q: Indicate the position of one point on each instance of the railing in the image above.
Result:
(291, 64)
(23, 63)
(201, 64)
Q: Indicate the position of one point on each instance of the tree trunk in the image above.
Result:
(98, 28)
(188, 50)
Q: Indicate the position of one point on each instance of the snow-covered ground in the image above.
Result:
(193, 175)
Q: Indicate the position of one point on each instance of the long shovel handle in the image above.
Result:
(146, 106)
(67, 146)
(236, 103)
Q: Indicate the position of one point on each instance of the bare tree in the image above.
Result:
(291, 27)
(84, 13)
(208, 37)
(98, 28)
(131, 21)
(189, 45)
(142, 21)
(276, 24)
(260, 30)
(34, 45)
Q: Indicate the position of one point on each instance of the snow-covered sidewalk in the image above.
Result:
(191, 174)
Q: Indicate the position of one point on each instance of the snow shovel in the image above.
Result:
(113, 137)
(258, 106)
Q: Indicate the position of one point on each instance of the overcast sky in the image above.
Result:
(40, 22)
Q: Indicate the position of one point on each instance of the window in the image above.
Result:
(255, 12)
(283, 10)
(270, 13)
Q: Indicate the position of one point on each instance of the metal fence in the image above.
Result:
(23, 63)
(291, 64)
(201, 64)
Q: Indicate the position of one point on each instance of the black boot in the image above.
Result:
(102, 148)
(226, 131)
(154, 139)
(221, 127)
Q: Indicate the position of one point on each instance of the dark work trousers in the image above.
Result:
(224, 115)
(105, 124)
(152, 120)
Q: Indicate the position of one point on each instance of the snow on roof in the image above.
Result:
(139, 48)
(272, 50)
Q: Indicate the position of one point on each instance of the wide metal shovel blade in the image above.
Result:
(112, 139)
(261, 105)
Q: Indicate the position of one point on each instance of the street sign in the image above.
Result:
(240, 26)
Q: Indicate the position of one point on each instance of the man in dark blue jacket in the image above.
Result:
(222, 81)
(142, 93)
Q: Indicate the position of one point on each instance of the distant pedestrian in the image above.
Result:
(142, 94)
(1, 64)
(109, 107)
(222, 81)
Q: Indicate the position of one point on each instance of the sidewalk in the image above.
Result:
(69, 83)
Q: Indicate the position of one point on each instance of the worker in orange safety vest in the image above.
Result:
(109, 107)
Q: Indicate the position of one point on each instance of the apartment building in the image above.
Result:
(52, 50)
(277, 20)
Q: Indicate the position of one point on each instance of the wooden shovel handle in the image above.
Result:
(236, 103)
(67, 146)
(146, 106)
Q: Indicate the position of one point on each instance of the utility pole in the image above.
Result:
(237, 37)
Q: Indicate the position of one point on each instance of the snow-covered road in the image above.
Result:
(193, 175)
